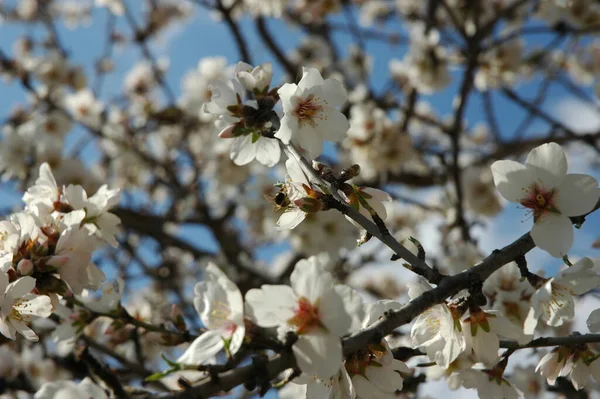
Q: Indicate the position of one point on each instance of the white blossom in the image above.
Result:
(254, 78)
(553, 302)
(438, 330)
(315, 308)
(221, 308)
(70, 390)
(19, 307)
(544, 186)
(482, 330)
(310, 112)
(488, 385)
(84, 107)
(226, 103)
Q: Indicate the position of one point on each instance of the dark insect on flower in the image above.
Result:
(281, 199)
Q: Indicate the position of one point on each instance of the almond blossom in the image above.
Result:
(254, 78)
(312, 387)
(310, 112)
(73, 259)
(576, 363)
(438, 330)
(19, 307)
(297, 197)
(489, 384)
(553, 302)
(70, 390)
(97, 220)
(315, 308)
(543, 186)
(84, 107)
(45, 197)
(243, 121)
(373, 370)
(221, 308)
(363, 198)
(482, 328)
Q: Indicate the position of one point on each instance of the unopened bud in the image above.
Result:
(25, 267)
(324, 171)
(308, 204)
(350, 172)
(227, 133)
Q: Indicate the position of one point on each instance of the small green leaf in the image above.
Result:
(170, 362)
(157, 376)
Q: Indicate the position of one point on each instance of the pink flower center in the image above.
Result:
(540, 201)
(306, 316)
(307, 109)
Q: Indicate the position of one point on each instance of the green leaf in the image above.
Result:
(170, 362)
(157, 376)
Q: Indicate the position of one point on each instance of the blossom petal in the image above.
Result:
(310, 78)
(267, 151)
(577, 194)
(23, 329)
(310, 280)
(21, 287)
(288, 125)
(384, 378)
(3, 282)
(319, 354)
(295, 172)
(512, 179)
(38, 305)
(271, 305)
(333, 125)
(290, 219)
(202, 349)
(353, 305)
(7, 329)
(554, 234)
(549, 163)
(593, 321)
(334, 92)
(309, 139)
(501, 325)
(242, 150)
(485, 345)
(286, 92)
(580, 374)
(237, 339)
(222, 95)
(332, 310)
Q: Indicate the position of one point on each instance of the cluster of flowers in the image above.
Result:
(319, 312)
(310, 117)
(46, 251)
(455, 335)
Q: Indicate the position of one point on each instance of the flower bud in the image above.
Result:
(350, 172)
(25, 267)
(308, 204)
(256, 80)
(324, 171)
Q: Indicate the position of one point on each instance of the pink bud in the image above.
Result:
(227, 133)
(25, 267)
